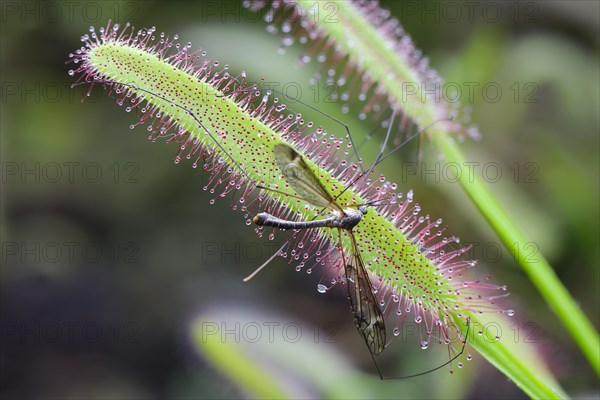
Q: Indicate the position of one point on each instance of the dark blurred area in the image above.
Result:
(110, 251)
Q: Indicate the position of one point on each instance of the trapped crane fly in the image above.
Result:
(367, 315)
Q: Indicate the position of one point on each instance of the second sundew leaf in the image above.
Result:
(366, 55)
(373, 54)
(229, 128)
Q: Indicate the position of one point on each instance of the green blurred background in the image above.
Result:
(110, 251)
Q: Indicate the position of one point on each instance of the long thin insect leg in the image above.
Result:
(380, 157)
(191, 114)
(419, 148)
(462, 350)
(256, 271)
(275, 254)
(346, 127)
(411, 137)
(376, 366)
(387, 137)
(368, 171)
(368, 137)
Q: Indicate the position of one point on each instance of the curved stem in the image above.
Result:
(534, 264)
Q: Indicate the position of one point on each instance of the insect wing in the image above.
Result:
(367, 316)
(301, 177)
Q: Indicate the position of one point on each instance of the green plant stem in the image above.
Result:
(535, 265)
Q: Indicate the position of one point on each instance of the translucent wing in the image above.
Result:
(367, 316)
(300, 176)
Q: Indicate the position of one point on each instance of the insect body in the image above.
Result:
(367, 316)
(348, 220)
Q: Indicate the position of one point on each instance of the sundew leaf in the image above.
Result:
(229, 128)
